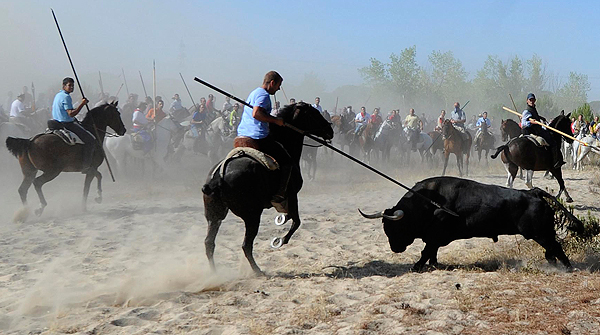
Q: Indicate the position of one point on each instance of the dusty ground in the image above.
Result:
(136, 264)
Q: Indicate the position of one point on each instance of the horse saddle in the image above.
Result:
(267, 161)
(537, 140)
(69, 137)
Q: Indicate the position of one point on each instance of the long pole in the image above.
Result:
(83, 95)
(33, 96)
(154, 84)
(101, 86)
(285, 95)
(324, 143)
(551, 128)
(188, 90)
(119, 90)
(144, 86)
(125, 80)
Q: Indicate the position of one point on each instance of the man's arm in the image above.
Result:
(261, 114)
(74, 112)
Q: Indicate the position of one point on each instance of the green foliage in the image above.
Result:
(584, 110)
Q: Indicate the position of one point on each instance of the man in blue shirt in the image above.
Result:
(488, 124)
(253, 129)
(63, 112)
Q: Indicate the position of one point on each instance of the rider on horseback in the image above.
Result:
(414, 126)
(479, 125)
(253, 130)
(458, 119)
(19, 114)
(361, 121)
(63, 112)
(535, 129)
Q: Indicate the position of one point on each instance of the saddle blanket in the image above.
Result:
(266, 160)
(538, 140)
(66, 135)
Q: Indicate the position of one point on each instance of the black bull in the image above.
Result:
(484, 211)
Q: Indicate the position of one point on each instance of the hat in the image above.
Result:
(530, 96)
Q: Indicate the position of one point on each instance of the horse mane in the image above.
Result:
(287, 113)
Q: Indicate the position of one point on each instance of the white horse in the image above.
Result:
(580, 151)
(215, 142)
(423, 145)
(121, 148)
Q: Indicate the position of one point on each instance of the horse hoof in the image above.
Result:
(569, 199)
(38, 212)
(276, 242)
(98, 200)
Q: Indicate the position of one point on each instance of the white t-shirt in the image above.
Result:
(139, 120)
(16, 108)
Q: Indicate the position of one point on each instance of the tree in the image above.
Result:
(448, 76)
(574, 92)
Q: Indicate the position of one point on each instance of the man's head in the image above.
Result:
(175, 97)
(68, 84)
(411, 111)
(484, 115)
(292, 101)
(236, 106)
(160, 104)
(227, 99)
(317, 100)
(272, 82)
(363, 110)
(580, 117)
(443, 113)
(21, 97)
(211, 97)
(531, 99)
(457, 105)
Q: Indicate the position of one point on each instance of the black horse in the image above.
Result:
(51, 155)
(247, 187)
(485, 141)
(524, 153)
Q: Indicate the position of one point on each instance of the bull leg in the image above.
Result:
(214, 211)
(38, 183)
(428, 253)
(252, 222)
(553, 251)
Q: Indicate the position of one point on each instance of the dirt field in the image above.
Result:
(135, 264)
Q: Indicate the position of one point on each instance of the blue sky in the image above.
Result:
(233, 43)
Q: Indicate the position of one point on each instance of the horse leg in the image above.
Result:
(214, 211)
(529, 181)
(459, 163)
(294, 215)
(446, 156)
(29, 173)
(252, 221)
(557, 173)
(98, 199)
(86, 189)
(38, 183)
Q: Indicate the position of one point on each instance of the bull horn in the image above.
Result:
(398, 214)
(371, 216)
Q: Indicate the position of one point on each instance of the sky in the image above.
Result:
(232, 44)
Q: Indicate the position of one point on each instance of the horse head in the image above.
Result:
(447, 129)
(307, 118)
(106, 115)
(563, 123)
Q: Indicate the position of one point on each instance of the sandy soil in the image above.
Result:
(135, 264)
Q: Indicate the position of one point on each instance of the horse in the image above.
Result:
(387, 135)
(50, 154)
(454, 143)
(344, 128)
(423, 144)
(218, 140)
(309, 155)
(524, 153)
(246, 187)
(165, 132)
(365, 140)
(581, 151)
(485, 141)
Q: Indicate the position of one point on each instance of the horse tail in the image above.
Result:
(214, 183)
(499, 150)
(576, 224)
(18, 146)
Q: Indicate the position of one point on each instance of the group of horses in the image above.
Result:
(243, 185)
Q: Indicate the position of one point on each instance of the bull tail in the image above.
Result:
(576, 224)
(18, 146)
(499, 150)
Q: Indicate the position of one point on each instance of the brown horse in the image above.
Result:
(344, 130)
(365, 140)
(522, 152)
(485, 141)
(509, 129)
(454, 143)
(50, 154)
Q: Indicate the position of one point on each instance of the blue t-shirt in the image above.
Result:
(62, 103)
(249, 126)
(198, 117)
